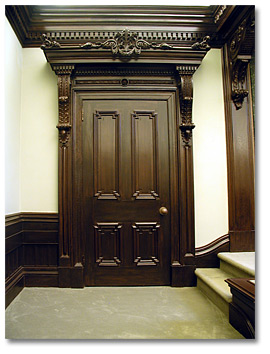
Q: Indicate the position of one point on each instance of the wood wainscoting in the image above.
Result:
(31, 251)
(237, 53)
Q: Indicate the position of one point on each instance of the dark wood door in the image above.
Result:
(126, 180)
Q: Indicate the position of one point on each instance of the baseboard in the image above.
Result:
(41, 276)
(14, 284)
(182, 275)
(71, 277)
(29, 277)
(206, 256)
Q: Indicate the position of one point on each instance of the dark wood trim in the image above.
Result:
(206, 256)
(40, 276)
(39, 217)
(240, 133)
(183, 275)
(79, 24)
(31, 251)
(242, 307)
(14, 284)
(12, 219)
(76, 25)
(185, 173)
(13, 248)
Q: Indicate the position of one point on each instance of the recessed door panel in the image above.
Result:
(146, 243)
(107, 244)
(144, 154)
(106, 154)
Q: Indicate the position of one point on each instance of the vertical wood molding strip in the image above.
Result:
(183, 265)
(64, 126)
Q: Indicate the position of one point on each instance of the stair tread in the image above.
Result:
(245, 261)
(215, 278)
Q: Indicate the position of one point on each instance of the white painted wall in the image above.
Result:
(39, 136)
(12, 102)
(209, 139)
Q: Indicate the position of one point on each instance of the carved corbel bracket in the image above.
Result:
(64, 122)
(240, 50)
(186, 100)
(238, 79)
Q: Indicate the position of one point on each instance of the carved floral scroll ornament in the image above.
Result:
(203, 45)
(49, 44)
(126, 43)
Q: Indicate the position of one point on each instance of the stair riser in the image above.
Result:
(236, 272)
(222, 304)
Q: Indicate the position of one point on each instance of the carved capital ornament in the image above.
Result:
(64, 125)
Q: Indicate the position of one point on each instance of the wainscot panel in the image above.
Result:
(31, 251)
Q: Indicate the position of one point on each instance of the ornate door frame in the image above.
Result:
(66, 61)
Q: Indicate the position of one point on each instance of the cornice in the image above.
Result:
(76, 25)
(69, 25)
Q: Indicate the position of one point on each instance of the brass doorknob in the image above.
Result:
(163, 211)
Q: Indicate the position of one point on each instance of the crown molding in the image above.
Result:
(77, 25)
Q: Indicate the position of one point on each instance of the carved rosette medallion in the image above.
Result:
(186, 101)
(64, 126)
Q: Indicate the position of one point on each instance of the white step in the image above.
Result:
(211, 281)
(239, 264)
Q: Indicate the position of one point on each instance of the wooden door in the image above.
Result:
(126, 180)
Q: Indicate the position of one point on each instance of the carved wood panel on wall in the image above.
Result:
(237, 54)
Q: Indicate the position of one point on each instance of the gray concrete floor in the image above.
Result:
(116, 313)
